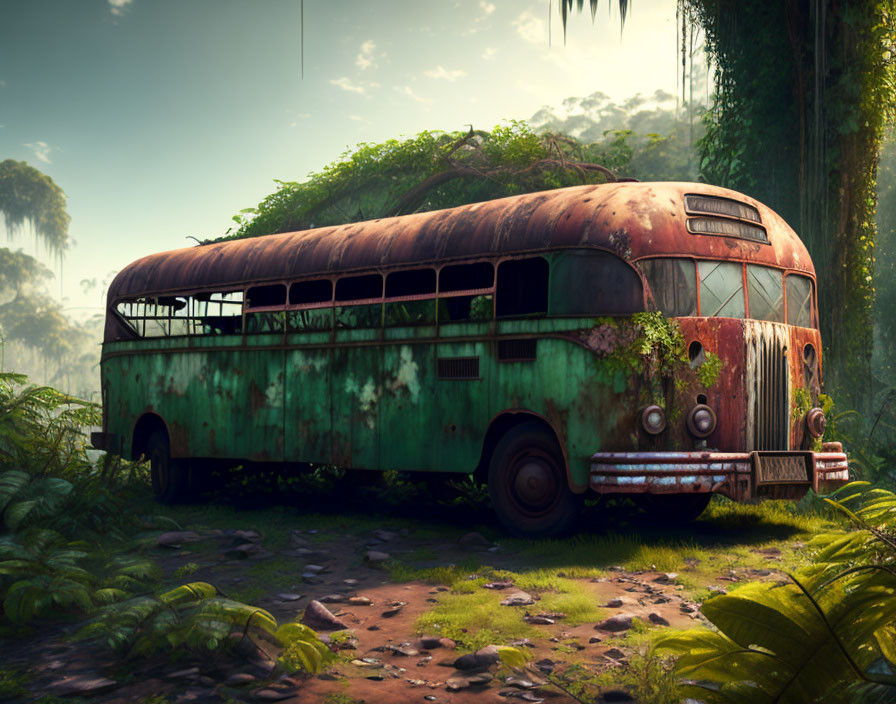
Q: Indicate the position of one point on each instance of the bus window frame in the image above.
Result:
(813, 295)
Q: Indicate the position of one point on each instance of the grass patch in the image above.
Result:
(453, 575)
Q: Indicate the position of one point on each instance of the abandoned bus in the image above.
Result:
(650, 339)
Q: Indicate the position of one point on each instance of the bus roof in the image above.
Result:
(632, 219)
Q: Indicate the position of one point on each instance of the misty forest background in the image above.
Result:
(797, 116)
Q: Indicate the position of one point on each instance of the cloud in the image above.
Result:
(531, 28)
(41, 151)
(487, 7)
(357, 118)
(365, 58)
(360, 87)
(406, 90)
(118, 7)
(489, 53)
(440, 72)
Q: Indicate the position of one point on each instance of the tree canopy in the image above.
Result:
(27, 195)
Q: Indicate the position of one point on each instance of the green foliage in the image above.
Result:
(303, 650)
(430, 171)
(832, 628)
(27, 195)
(709, 371)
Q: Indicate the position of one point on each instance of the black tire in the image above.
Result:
(170, 477)
(528, 485)
(671, 510)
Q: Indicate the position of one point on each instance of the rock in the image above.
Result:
(666, 578)
(616, 695)
(375, 557)
(615, 654)
(688, 609)
(662, 600)
(520, 682)
(286, 596)
(173, 539)
(546, 665)
(384, 535)
(315, 569)
(273, 695)
(80, 684)
(240, 678)
(244, 536)
(474, 541)
(488, 655)
(429, 642)
(455, 684)
(553, 615)
(498, 585)
(312, 578)
(518, 599)
(657, 619)
(319, 616)
(715, 589)
(538, 620)
(360, 601)
(466, 662)
(393, 609)
(350, 582)
(332, 599)
(423, 662)
(447, 643)
(614, 624)
(614, 603)
(241, 552)
(522, 643)
(595, 639)
(182, 674)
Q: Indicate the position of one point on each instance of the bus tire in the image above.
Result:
(170, 477)
(527, 484)
(672, 510)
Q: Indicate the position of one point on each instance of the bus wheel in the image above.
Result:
(527, 484)
(170, 478)
(672, 510)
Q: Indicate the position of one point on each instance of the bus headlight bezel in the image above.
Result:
(701, 421)
(815, 422)
(653, 419)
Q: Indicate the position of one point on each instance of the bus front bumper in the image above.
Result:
(738, 475)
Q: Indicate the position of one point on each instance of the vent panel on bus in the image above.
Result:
(517, 350)
(458, 367)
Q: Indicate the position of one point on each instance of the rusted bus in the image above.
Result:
(522, 340)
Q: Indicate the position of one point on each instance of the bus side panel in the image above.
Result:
(462, 408)
(407, 409)
(356, 390)
(308, 409)
(584, 404)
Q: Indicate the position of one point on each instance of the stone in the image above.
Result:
(332, 599)
(615, 654)
(385, 535)
(360, 601)
(447, 643)
(614, 624)
(173, 539)
(520, 682)
(467, 662)
(715, 589)
(522, 643)
(488, 656)
(595, 639)
(273, 695)
(688, 609)
(245, 536)
(423, 662)
(498, 585)
(553, 615)
(538, 620)
(241, 552)
(375, 557)
(474, 541)
(287, 596)
(666, 578)
(316, 569)
(319, 616)
(350, 582)
(393, 609)
(80, 684)
(240, 678)
(614, 603)
(546, 665)
(518, 599)
(312, 578)
(182, 674)
(657, 619)
(616, 695)
(429, 642)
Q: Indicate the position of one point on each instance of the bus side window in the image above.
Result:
(416, 282)
(522, 287)
(673, 283)
(721, 289)
(594, 283)
(265, 321)
(799, 301)
(319, 293)
(218, 313)
(367, 312)
(765, 287)
(457, 306)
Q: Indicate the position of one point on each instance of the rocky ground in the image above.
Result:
(368, 593)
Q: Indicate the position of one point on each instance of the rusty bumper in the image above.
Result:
(733, 474)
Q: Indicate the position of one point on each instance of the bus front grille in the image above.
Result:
(767, 386)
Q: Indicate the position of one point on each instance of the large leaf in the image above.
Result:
(194, 591)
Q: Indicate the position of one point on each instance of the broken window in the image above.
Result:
(172, 316)
(673, 283)
(359, 288)
(594, 283)
(465, 292)
(218, 313)
(407, 284)
(799, 301)
(522, 287)
(721, 289)
(765, 287)
(308, 292)
(266, 296)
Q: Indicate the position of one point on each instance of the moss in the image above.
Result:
(709, 371)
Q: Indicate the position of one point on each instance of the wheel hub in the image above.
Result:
(534, 482)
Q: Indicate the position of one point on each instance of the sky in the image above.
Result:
(161, 119)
